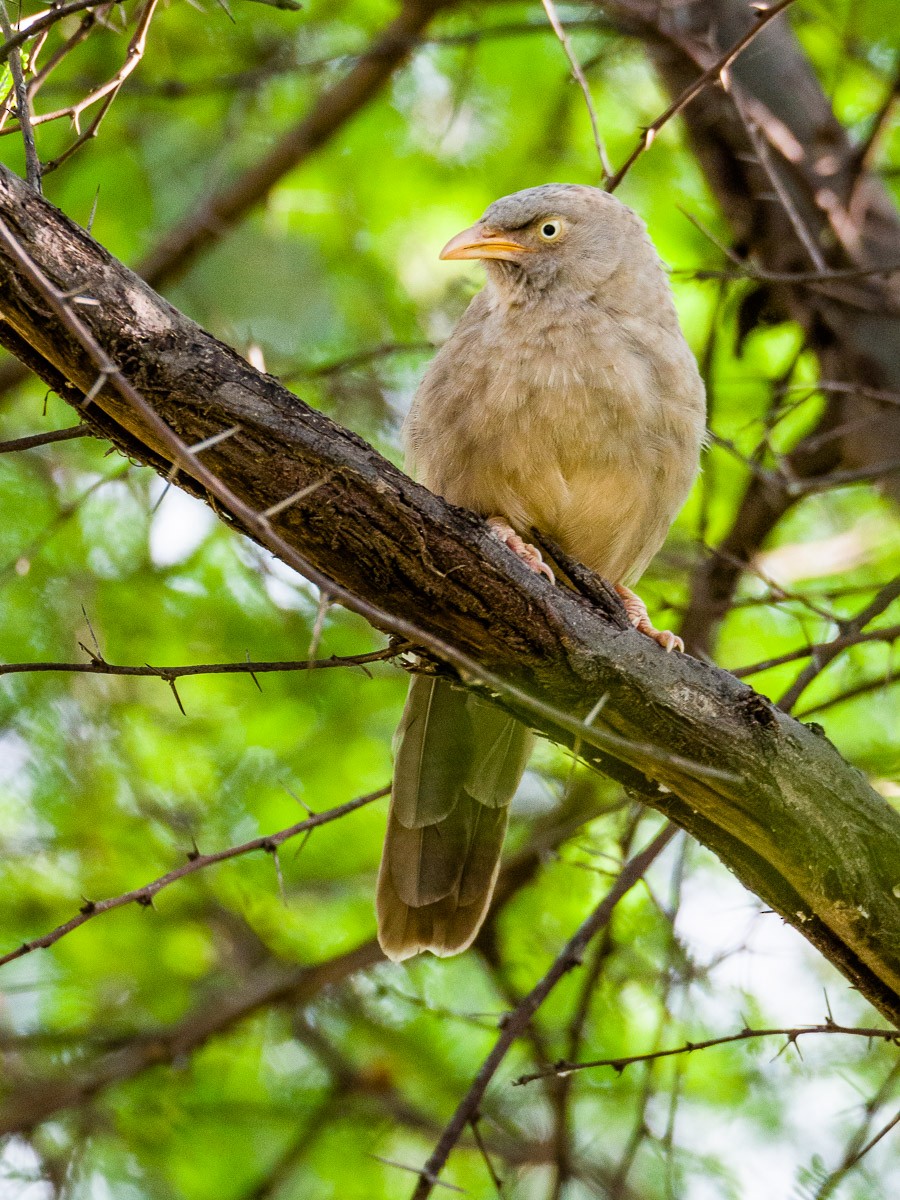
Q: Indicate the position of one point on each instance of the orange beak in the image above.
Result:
(481, 242)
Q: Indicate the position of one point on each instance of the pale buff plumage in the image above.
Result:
(566, 399)
(575, 407)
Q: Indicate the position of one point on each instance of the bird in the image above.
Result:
(566, 400)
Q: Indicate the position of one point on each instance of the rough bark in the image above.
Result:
(797, 824)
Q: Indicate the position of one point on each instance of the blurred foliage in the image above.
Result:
(105, 784)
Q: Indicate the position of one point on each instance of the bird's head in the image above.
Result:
(559, 233)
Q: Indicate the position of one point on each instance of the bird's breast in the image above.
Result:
(580, 432)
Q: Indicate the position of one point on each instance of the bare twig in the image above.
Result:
(839, 387)
(559, 30)
(873, 1141)
(106, 93)
(93, 17)
(486, 1158)
(618, 1065)
(860, 1143)
(867, 149)
(761, 149)
(196, 862)
(853, 628)
(273, 984)
(212, 219)
(360, 358)
(822, 652)
(45, 21)
(99, 666)
(710, 75)
(866, 688)
(23, 112)
(876, 470)
(751, 271)
(516, 1022)
(45, 439)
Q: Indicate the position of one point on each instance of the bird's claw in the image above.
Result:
(636, 611)
(530, 555)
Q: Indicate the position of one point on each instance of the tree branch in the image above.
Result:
(517, 1021)
(564, 1067)
(215, 216)
(144, 894)
(99, 666)
(38, 24)
(44, 439)
(272, 985)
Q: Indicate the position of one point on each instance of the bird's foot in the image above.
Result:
(640, 619)
(530, 555)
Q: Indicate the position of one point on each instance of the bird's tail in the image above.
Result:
(459, 761)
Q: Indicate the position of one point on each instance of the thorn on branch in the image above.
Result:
(98, 659)
(171, 683)
(288, 501)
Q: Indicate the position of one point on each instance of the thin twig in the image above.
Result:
(361, 358)
(860, 689)
(196, 862)
(710, 75)
(515, 1024)
(840, 387)
(885, 1129)
(106, 93)
(99, 666)
(45, 439)
(750, 271)
(90, 19)
(834, 479)
(483, 1151)
(619, 1064)
(853, 628)
(45, 21)
(23, 108)
(761, 149)
(860, 1143)
(822, 652)
(559, 30)
(220, 210)
(866, 150)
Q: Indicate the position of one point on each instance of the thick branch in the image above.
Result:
(771, 797)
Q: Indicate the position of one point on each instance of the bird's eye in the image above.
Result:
(550, 230)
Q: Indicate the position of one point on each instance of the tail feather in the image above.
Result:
(459, 761)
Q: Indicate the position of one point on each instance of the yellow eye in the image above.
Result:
(550, 230)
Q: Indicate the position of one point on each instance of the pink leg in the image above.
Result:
(530, 555)
(638, 616)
